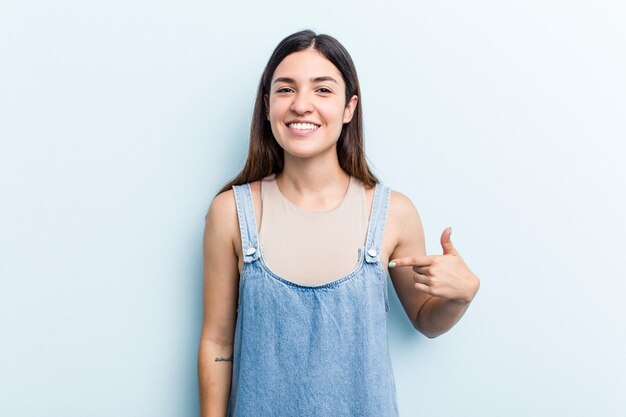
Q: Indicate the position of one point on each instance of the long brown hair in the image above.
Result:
(265, 156)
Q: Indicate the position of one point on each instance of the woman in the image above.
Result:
(291, 326)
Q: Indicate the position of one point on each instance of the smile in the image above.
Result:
(302, 126)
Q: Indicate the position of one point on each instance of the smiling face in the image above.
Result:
(306, 104)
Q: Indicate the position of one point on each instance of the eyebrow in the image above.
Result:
(313, 80)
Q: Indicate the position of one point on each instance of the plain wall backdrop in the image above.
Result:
(120, 120)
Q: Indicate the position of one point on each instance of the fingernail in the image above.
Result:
(392, 264)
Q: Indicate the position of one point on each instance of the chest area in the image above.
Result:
(318, 243)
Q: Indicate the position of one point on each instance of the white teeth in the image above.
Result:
(303, 126)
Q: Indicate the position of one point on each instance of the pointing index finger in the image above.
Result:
(411, 261)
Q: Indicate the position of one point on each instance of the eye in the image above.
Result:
(284, 90)
(324, 90)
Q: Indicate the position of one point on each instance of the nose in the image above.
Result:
(301, 103)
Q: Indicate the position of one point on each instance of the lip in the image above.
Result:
(302, 121)
(304, 132)
(298, 132)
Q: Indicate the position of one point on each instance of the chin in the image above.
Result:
(307, 153)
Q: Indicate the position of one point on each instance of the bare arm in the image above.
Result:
(439, 315)
(220, 295)
(404, 219)
(434, 290)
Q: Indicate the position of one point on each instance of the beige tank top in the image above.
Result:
(312, 248)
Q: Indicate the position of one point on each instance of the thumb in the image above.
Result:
(446, 243)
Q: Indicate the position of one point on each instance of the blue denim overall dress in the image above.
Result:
(312, 351)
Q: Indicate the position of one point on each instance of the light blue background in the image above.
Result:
(119, 121)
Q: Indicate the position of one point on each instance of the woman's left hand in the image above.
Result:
(445, 276)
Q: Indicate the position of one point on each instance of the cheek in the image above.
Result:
(332, 111)
(273, 116)
(276, 109)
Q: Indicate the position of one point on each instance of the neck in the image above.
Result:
(312, 177)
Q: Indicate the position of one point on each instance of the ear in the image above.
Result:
(350, 108)
(267, 106)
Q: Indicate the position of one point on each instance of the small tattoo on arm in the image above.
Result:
(228, 359)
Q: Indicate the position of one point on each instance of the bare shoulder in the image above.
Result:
(223, 207)
(401, 204)
(398, 202)
(403, 219)
(401, 209)
(221, 219)
(403, 231)
(222, 223)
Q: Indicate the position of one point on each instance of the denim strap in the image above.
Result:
(378, 219)
(247, 223)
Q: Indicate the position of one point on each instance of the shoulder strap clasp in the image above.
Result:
(247, 223)
(378, 219)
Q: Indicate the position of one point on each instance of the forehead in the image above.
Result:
(306, 64)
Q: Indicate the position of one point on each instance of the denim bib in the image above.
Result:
(312, 351)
